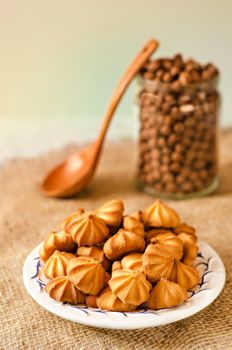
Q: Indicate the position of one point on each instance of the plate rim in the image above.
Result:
(133, 323)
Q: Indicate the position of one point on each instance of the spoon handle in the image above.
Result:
(127, 77)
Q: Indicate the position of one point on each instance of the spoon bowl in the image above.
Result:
(73, 175)
(62, 180)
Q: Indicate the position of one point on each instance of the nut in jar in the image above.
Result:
(178, 103)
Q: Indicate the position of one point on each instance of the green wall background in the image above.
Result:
(61, 59)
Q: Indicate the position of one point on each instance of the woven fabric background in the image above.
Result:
(26, 217)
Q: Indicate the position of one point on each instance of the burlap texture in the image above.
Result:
(26, 217)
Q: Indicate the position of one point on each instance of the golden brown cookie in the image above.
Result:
(172, 244)
(57, 263)
(96, 253)
(137, 215)
(91, 301)
(111, 212)
(166, 294)
(183, 227)
(152, 233)
(184, 275)
(87, 229)
(132, 261)
(132, 224)
(107, 276)
(64, 225)
(123, 242)
(160, 214)
(108, 301)
(116, 265)
(190, 248)
(61, 241)
(157, 262)
(87, 274)
(62, 289)
(130, 286)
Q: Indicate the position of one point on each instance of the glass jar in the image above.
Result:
(178, 153)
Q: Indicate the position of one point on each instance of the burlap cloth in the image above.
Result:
(26, 217)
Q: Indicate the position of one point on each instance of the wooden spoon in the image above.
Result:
(75, 173)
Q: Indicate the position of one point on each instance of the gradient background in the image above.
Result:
(60, 60)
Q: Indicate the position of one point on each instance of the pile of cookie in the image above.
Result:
(118, 262)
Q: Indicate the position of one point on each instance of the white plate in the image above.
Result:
(208, 263)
